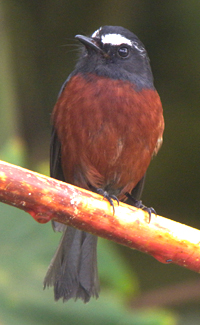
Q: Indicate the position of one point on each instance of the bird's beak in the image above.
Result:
(89, 43)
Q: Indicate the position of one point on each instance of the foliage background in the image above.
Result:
(37, 52)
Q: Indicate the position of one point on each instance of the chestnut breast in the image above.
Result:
(108, 132)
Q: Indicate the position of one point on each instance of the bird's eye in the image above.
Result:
(123, 51)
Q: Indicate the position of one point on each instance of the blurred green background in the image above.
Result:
(37, 52)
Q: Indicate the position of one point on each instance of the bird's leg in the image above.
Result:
(138, 204)
(108, 197)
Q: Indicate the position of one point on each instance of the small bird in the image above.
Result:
(107, 124)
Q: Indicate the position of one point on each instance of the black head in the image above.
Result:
(116, 53)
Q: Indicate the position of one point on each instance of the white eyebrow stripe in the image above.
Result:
(140, 49)
(115, 39)
(96, 32)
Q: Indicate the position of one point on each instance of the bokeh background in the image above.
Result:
(37, 52)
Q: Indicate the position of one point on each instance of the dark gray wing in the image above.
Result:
(55, 157)
(138, 189)
(56, 169)
(136, 193)
(55, 148)
(55, 160)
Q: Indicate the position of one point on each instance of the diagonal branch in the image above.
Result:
(46, 198)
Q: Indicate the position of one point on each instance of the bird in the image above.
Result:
(107, 124)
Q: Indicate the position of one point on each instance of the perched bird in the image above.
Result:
(107, 125)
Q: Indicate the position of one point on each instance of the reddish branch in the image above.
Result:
(46, 198)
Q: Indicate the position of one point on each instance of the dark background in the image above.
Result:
(37, 52)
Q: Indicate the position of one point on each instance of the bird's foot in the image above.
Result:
(108, 197)
(138, 204)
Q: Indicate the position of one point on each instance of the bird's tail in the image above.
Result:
(73, 269)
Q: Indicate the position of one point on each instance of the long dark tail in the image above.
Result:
(73, 269)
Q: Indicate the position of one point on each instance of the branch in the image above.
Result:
(46, 198)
